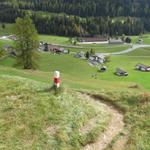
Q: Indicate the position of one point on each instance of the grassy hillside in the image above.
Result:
(136, 108)
(75, 73)
(78, 73)
(145, 38)
(140, 52)
(32, 118)
(100, 48)
(54, 39)
(39, 119)
(5, 42)
(7, 30)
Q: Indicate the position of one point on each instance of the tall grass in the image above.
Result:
(136, 108)
(31, 118)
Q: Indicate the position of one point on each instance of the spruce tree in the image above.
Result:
(26, 42)
(87, 55)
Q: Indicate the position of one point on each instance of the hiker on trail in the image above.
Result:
(57, 79)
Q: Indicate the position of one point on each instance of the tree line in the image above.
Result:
(71, 25)
(84, 8)
(75, 26)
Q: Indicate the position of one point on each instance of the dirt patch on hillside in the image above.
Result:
(115, 126)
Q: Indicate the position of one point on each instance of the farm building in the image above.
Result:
(93, 40)
(98, 58)
(8, 48)
(142, 67)
(55, 49)
(42, 46)
(121, 72)
(80, 55)
(52, 48)
(139, 41)
(115, 41)
(12, 37)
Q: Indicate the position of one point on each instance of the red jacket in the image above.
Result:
(56, 80)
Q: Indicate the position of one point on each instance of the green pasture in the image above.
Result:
(140, 52)
(144, 37)
(52, 39)
(5, 42)
(78, 73)
(101, 48)
(7, 30)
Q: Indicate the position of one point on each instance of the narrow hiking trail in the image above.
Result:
(115, 126)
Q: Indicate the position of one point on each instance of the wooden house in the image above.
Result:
(56, 49)
(98, 58)
(80, 55)
(115, 41)
(142, 67)
(93, 40)
(121, 72)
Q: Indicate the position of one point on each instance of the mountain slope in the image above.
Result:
(138, 8)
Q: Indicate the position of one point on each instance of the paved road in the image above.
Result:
(5, 37)
(134, 47)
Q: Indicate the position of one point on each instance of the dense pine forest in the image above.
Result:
(81, 17)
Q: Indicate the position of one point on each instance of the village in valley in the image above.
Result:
(93, 58)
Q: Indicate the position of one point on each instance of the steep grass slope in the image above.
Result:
(31, 118)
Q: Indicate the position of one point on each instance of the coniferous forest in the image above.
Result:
(81, 17)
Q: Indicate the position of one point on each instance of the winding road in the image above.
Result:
(134, 47)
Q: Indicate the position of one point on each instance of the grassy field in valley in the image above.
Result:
(76, 72)
(7, 30)
(98, 48)
(51, 39)
(140, 52)
(104, 48)
(5, 42)
(35, 114)
(145, 38)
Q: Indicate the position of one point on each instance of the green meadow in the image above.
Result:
(144, 37)
(40, 119)
(81, 71)
(7, 30)
(141, 52)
